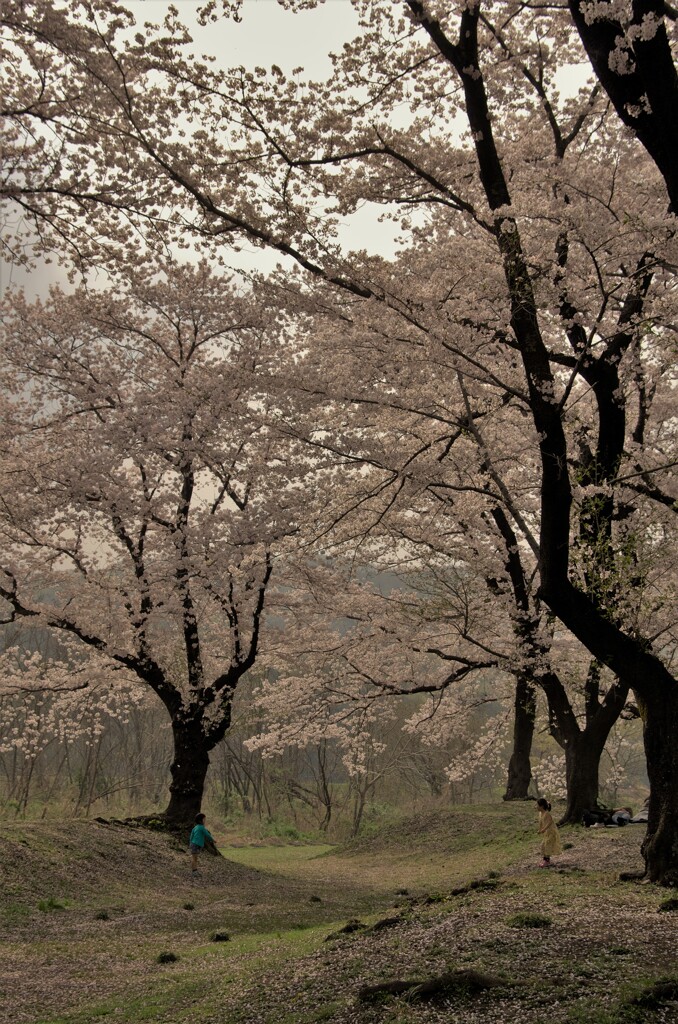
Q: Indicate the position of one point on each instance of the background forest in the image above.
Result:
(61, 758)
(109, 756)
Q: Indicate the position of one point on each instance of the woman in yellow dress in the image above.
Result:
(550, 843)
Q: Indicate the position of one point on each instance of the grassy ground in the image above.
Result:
(88, 911)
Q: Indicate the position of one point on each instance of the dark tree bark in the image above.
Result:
(582, 772)
(583, 746)
(656, 692)
(519, 774)
(188, 770)
(646, 100)
(660, 732)
(645, 95)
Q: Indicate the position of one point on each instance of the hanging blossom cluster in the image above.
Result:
(300, 711)
(549, 776)
(488, 753)
(45, 700)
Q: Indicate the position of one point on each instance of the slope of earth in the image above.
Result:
(456, 896)
(87, 908)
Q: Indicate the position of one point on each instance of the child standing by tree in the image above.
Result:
(196, 843)
(550, 843)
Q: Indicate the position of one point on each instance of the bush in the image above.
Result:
(167, 958)
(50, 904)
(528, 919)
(282, 830)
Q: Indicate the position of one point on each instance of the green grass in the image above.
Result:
(178, 989)
(49, 904)
(325, 1013)
(148, 1007)
(14, 913)
(636, 1002)
(429, 852)
(283, 860)
(528, 919)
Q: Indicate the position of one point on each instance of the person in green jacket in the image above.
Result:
(196, 842)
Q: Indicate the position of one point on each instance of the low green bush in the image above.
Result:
(529, 919)
(51, 904)
(167, 958)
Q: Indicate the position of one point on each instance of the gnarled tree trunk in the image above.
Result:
(520, 769)
(583, 744)
(656, 692)
(582, 768)
(189, 771)
(659, 710)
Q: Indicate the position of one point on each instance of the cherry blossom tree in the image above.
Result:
(580, 397)
(583, 611)
(588, 592)
(358, 647)
(144, 497)
(449, 474)
(539, 266)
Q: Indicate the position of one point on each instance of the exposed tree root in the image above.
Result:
(177, 830)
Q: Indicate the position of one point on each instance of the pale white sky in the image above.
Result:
(268, 34)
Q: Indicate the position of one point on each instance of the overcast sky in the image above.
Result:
(267, 34)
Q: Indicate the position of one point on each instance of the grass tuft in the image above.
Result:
(167, 958)
(529, 919)
(51, 904)
(655, 996)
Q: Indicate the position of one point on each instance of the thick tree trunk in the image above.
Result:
(660, 733)
(582, 766)
(656, 691)
(189, 770)
(520, 769)
(583, 746)
(645, 93)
